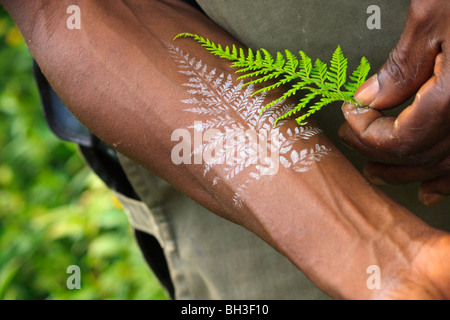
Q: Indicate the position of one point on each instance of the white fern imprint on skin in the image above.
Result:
(232, 125)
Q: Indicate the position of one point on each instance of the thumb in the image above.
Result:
(409, 66)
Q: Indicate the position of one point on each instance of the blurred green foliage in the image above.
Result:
(53, 211)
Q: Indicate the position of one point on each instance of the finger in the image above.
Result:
(425, 121)
(365, 122)
(410, 63)
(435, 191)
(380, 173)
(350, 139)
(435, 156)
(417, 128)
(359, 118)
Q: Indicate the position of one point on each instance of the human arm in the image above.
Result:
(415, 146)
(117, 75)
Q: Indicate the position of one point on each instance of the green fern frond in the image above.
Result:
(319, 72)
(313, 109)
(301, 105)
(337, 75)
(319, 81)
(359, 75)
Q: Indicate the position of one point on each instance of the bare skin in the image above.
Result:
(415, 146)
(116, 76)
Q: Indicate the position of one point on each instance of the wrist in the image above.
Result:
(427, 276)
(335, 233)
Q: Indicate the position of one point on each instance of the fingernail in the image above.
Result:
(367, 93)
(377, 181)
(431, 199)
(346, 109)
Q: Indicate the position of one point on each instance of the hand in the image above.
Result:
(415, 146)
(427, 277)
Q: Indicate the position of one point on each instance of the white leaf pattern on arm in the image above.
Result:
(221, 102)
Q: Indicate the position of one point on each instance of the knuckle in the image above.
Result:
(421, 161)
(406, 151)
(399, 67)
(410, 149)
(441, 92)
(422, 12)
(444, 165)
(408, 60)
(380, 135)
